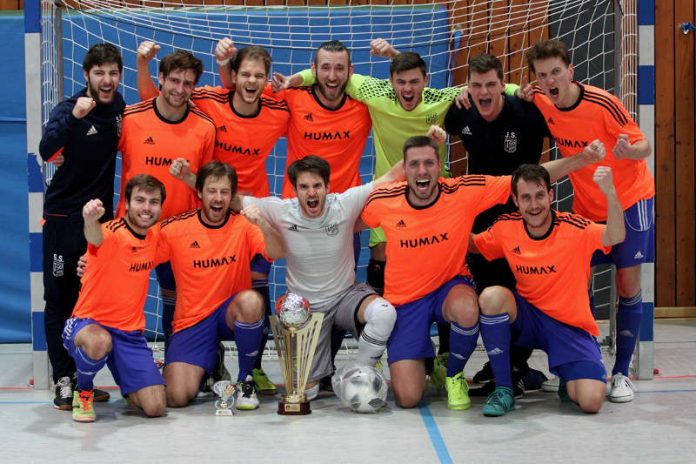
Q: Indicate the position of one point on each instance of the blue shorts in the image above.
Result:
(572, 351)
(165, 276)
(639, 245)
(131, 361)
(198, 344)
(260, 264)
(410, 338)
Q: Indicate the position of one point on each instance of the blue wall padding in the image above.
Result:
(15, 310)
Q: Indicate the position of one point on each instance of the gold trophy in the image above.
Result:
(295, 332)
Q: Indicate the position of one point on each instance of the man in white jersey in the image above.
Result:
(318, 231)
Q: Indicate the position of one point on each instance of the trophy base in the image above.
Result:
(286, 408)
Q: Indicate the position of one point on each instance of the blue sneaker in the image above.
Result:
(499, 403)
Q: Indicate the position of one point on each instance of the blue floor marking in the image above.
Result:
(435, 435)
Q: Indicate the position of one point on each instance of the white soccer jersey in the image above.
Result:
(319, 252)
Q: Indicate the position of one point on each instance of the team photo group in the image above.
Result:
(483, 254)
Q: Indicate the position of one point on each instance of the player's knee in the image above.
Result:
(407, 398)
(380, 316)
(249, 306)
(155, 408)
(96, 344)
(177, 397)
(591, 403)
(628, 282)
(491, 300)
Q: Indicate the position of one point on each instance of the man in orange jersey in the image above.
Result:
(427, 221)
(107, 324)
(156, 133)
(549, 253)
(580, 118)
(210, 250)
(248, 124)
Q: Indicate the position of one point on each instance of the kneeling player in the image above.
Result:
(318, 229)
(550, 254)
(210, 250)
(108, 321)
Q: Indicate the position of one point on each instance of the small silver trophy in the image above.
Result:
(225, 391)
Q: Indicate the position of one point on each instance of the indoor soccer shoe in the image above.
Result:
(485, 374)
(263, 384)
(621, 390)
(246, 395)
(64, 394)
(101, 396)
(83, 406)
(439, 374)
(457, 393)
(499, 403)
(550, 385)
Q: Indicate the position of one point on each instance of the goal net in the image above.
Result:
(600, 33)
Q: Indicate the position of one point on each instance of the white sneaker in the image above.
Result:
(312, 393)
(550, 385)
(246, 395)
(621, 390)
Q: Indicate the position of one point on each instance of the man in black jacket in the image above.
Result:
(81, 137)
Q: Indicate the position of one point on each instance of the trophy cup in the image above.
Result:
(225, 390)
(295, 332)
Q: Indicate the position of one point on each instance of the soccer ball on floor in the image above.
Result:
(361, 388)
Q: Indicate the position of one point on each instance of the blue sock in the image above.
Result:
(87, 368)
(495, 331)
(627, 329)
(462, 344)
(261, 286)
(247, 336)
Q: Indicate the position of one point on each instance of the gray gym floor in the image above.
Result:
(658, 426)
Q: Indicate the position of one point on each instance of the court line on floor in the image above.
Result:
(434, 434)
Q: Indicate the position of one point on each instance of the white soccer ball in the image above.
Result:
(361, 388)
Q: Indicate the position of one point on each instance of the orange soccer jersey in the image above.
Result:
(551, 272)
(149, 144)
(209, 263)
(115, 283)
(337, 135)
(244, 142)
(426, 246)
(597, 115)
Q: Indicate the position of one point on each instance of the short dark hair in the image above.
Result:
(253, 52)
(531, 173)
(101, 54)
(181, 59)
(552, 48)
(420, 141)
(485, 62)
(216, 169)
(310, 163)
(405, 61)
(144, 182)
(333, 46)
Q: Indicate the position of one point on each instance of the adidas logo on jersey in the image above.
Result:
(222, 128)
(309, 117)
(92, 131)
(517, 250)
(638, 255)
(195, 244)
(466, 130)
(401, 224)
(149, 141)
(293, 228)
(550, 122)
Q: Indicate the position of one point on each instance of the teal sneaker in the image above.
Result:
(439, 374)
(499, 403)
(457, 393)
